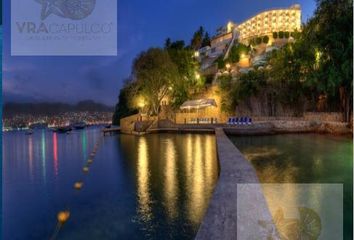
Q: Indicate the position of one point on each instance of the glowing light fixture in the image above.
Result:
(78, 185)
(197, 76)
(63, 216)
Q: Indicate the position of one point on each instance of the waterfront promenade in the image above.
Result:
(220, 220)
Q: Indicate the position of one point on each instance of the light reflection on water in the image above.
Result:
(307, 158)
(177, 171)
(170, 186)
(148, 187)
(143, 180)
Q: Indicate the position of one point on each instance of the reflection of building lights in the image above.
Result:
(170, 190)
(143, 179)
(30, 154)
(55, 153)
(43, 141)
(197, 201)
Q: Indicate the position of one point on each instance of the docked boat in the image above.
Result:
(38, 125)
(64, 129)
(29, 132)
(79, 125)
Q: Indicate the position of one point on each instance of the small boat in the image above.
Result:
(79, 125)
(29, 132)
(38, 125)
(65, 129)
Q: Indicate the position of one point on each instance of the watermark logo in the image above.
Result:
(73, 9)
(306, 225)
(290, 211)
(64, 28)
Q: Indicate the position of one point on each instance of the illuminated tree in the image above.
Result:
(154, 72)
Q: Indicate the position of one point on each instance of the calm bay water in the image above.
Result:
(306, 158)
(150, 187)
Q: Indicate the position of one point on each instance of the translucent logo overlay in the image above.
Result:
(63, 28)
(290, 211)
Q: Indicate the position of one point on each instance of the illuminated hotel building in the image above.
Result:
(256, 31)
(265, 23)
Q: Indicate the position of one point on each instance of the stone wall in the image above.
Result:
(127, 124)
(135, 122)
(324, 116)
(262, 105)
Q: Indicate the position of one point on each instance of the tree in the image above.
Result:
(265, 39)
(124, 108)
(168, 43)
(188, 80)
(331, 32)
(275, 35)
(286, 34)
(258, 40)
(220, 62)
(236, 50)
(226, 89)
(206, 40)
(197, 40)
(178, 45)
(154, 72)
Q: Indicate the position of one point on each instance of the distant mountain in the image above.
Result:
(53, 108)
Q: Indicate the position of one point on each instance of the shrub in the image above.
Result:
(275, 35)
(281, 34)
(265, 39)
(221, 63)
(286, 34)
(259, 40)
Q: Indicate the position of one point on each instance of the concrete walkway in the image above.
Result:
(220, 221)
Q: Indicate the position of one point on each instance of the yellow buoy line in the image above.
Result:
(64, 215)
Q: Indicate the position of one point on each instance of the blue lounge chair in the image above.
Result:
(249, 121)
(241, 120)
(244, 121)
(236, 121)
(229, 121)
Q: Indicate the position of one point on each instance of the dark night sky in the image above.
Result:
(141, 24)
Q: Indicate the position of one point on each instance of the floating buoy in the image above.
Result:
(78, 185)
(85, 169)
(89, 161)
(63, 216)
